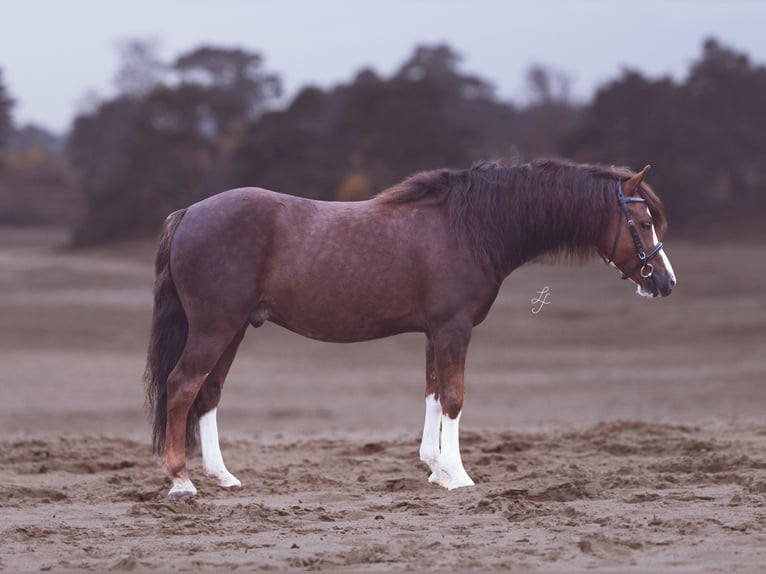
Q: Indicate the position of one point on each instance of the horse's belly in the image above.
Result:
(342, 319)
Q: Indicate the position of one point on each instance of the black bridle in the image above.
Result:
(643, 256)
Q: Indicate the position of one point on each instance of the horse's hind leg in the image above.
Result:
(207, 407)
(200, 356)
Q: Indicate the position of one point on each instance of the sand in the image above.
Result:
(605, 432)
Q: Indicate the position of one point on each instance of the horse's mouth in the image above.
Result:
(648, 288)
(652, 287)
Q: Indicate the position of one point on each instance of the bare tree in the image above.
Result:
(141, 69)
(548, 86)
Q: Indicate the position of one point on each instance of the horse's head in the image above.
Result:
(631, 241)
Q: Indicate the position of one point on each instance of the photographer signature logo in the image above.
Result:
(542, 299)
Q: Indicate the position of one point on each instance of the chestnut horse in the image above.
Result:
(428, 255)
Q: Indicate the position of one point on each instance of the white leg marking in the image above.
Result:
(182, 488)
(429, 446)
(449, 460)
(212, 460)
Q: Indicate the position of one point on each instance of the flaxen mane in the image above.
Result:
(562, 207)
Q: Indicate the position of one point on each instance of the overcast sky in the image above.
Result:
(54, 52)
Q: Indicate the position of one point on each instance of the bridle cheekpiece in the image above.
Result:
(643, 256)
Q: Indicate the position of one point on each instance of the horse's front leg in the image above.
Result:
(447, 350)
(430, 448)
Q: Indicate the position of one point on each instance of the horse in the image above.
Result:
(427, 255)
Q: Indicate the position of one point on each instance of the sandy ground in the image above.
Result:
(605, 432)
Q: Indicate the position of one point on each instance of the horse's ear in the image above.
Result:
(631, 185)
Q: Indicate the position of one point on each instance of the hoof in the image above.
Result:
(460, 483)
(229, 481)
(175, 495)
(443, 479)
(224, 478)
(181, 490)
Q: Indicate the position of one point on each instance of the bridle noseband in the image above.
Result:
(643, 256)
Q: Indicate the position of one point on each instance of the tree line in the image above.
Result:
(180, 131)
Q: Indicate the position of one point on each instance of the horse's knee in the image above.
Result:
(451, 402)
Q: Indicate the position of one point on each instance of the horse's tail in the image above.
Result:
(167, 340)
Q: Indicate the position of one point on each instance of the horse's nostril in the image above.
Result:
(672, 281)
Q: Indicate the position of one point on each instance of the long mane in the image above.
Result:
(548, 206)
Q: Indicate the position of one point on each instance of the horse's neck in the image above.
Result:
(543, 226)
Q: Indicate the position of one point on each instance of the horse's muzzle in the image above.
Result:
(660, 283)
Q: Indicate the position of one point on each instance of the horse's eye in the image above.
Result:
(646, 225)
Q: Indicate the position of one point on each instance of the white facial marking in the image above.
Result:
(212, 460)
(665, 260)
(663, 257)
